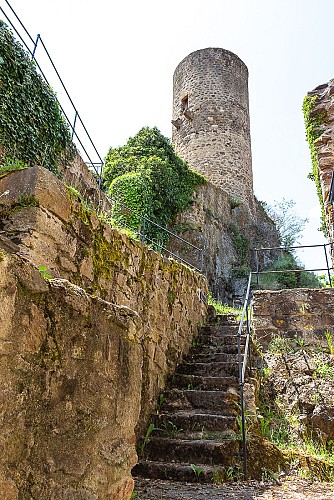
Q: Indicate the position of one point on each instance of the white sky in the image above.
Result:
(117, 60)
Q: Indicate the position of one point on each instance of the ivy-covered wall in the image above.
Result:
(32, 128)
(319, 116)
(315, 121)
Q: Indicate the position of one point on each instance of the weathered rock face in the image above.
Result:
(47, 224)
(227, 234)
(70, 384)
(296, 330)
(324, 148)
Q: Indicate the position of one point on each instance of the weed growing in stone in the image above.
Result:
(330, 343)
(42, 270)
(197, 470)
(233, 473)
(171, 429)
(149, 431)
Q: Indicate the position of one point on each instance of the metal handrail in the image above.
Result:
(145, 237)
(242, 364)
(97, 166)
(288, 248)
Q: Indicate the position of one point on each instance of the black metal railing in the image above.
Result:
(143, 231)
(281, 250)
(245, 359)
(83, 140)
(242, 365)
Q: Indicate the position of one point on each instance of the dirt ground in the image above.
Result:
(287, 488)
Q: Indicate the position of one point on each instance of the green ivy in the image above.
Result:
(147, 176)
(32, 127)
(314, 129)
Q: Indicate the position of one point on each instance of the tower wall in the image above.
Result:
(211, 128)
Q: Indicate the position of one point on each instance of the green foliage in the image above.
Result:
(147, 176)
(149, 431)
(42, 270)
(241, 244)
(197, 470)
(32, 128)
(10, 165)
(223, 308)
(290, 226)
(288, 274)
(330, 343)
(314, 128)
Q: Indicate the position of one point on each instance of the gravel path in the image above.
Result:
(288, 488)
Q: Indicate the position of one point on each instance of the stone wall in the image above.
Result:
(227, 234)
(211, 128)
(46, 224)
(324, 146)
(302, 313)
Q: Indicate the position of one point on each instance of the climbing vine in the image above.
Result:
(314, 129)
(32, 128)
(147, 176)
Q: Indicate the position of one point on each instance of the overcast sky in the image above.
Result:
(117, 60)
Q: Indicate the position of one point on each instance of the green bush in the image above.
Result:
(32, 128)
(290, 275)
(147, 176)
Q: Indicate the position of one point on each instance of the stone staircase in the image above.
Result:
(196, 436)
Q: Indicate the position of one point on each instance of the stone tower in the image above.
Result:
(211, 129)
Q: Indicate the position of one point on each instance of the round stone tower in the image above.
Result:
(211, 120)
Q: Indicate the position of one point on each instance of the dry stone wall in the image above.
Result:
(45, 224)
(304, 313)
(295, 329)
(211, 128)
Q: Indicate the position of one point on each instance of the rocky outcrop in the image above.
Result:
(322, 114)
(223, 228)
(79, 342)
(70, 384)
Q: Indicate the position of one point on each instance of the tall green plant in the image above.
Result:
(147, 176)
(32, 128)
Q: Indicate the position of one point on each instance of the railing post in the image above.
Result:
(74, 124)
(201, 260)
(142, 230)
(35, 47)
(328, 271)
(257, 267)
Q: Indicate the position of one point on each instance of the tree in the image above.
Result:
(289, 225)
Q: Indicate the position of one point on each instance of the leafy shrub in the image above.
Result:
(147, 176)
(289, 274)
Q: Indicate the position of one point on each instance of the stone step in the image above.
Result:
(217, 369)
(217, 401)
(196, 420)
(219, 329)
(218, 340)
(187, 451)
(186, 473)
(213, 357)
(186, 381)
(219, 348)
